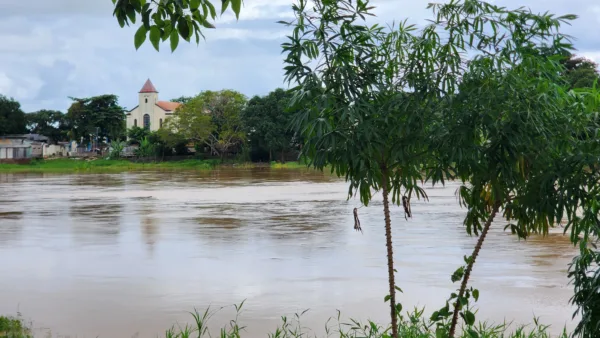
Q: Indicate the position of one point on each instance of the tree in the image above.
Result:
(182, 99)
(170, 19)
(137, 134)
(580, 72)
(12, 118)
(99, 115)
(268, 123)
(50, 123)
(211, 118)
(146, 148)
(389, 108)
(171, 142)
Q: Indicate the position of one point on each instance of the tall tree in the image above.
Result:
(170, 19)
(12, 118)
(50, 123)
(212, 118)
(268, 122)
(580, 72)
(98, 115)
(388, 108)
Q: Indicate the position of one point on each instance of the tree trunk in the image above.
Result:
(270, 155)
(463, 285)
(390, 253)
(282, 156)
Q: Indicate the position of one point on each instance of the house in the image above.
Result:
(24, 146)
(14, 150)
(56, 150)
(150, 113)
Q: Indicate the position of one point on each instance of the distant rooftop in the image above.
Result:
(167, 105)
(32, 137)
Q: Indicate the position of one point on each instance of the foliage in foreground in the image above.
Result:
(478, 95)
(14, 327)
(413, 325)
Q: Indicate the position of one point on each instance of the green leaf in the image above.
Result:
(166, 33)
(174, 39)
(211, 8)
(121, 20)
(398, 288)
(183, 28)
(386, 298)
(194, 4)
(473, 333)
(146, 18)
(155, 37)
(458, 274)
(131, 14)
(140, 36)
(476, 294)
(398, 308)
(236, 5)
(207, 24)
(469, 318)
(224, 5)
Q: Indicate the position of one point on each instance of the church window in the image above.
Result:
(135, 122)
(160, 122)
(146, 100)
(146, 121)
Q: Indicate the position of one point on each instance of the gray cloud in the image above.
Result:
(54, 49)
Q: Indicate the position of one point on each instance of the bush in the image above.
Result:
(14, 328)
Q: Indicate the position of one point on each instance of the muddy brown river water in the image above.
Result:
(129, 254)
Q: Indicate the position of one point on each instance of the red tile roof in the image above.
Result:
(167, 105)
(148, 87)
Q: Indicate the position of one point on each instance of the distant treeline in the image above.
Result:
(219, 123)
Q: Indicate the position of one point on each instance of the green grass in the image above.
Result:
(412, 325)
(100, 165)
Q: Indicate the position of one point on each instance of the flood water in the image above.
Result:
(129, 254)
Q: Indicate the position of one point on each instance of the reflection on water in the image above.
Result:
(114, 255)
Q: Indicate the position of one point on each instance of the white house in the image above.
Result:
(150, 113)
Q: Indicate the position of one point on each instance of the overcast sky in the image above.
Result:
(53, 49)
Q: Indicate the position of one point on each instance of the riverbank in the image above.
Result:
(100, 165)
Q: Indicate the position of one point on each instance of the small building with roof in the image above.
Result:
(150, 113)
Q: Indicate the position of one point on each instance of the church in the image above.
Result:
(150, 113)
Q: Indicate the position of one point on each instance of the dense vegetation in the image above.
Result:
(482, 95)
(221, 124)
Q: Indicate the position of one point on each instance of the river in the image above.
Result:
(129, 254)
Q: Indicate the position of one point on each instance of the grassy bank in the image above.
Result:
(100, 165)
(412, 325)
